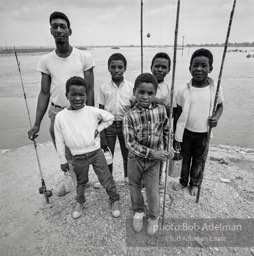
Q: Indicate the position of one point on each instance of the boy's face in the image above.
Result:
(200, 68)
(145, 94)
(116, 69)
(77, 96)
(160, 69)
(59, 30)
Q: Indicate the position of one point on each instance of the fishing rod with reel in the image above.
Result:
(43, 189)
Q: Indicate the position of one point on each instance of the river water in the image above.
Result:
(236, 126)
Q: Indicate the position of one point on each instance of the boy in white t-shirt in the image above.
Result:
(78, 127)
(193, 118)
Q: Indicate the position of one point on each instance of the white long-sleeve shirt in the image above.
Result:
(75, 129)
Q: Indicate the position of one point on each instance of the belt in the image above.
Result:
(56, 106)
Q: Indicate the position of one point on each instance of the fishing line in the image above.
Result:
(216, 99)
(43, 189)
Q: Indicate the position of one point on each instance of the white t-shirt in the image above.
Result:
(76, 128)
(116, 100)
(197, 120)
(61, 69)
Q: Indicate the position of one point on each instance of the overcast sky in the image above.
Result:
(117, 22)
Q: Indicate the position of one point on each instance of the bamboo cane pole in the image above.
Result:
(141, 35)
(170, 141)
(216, 98)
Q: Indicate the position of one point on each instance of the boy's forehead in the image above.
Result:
(116, 62)
(200, 58)
(161, 61)
(59, 21)
(144, 86)
(77, 87)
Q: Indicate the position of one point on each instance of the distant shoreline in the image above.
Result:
(43, 49)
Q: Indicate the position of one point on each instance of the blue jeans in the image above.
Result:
(113, 131)
(97, 160)
(147, 170)
(192, 149)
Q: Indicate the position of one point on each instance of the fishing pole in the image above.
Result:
(141, 35)
(43, 189)
(216, 98)
(170, 140)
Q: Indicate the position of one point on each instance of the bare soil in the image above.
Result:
(29, 226)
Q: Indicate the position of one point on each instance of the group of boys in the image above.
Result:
(135, 114)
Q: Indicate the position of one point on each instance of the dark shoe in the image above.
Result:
(115, 209)
(78, 210)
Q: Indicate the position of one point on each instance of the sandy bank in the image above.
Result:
(30, 227)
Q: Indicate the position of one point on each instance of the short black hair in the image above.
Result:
(117, 56)
(59, 15)
(202, 52)
(145, 78)
(76, 80)
(163, 55)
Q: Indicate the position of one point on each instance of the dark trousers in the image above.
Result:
(192, 149)
(97, 160)
(112, 132)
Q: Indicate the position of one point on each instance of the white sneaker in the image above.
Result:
(115, 210)
(152, 226)
(78, 210)
(138, 221)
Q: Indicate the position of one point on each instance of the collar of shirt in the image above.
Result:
(209, 81)
(151, 106)
(121, 84)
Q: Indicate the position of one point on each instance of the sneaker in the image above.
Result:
(152, 226)
(115, 209)
(62, 191)
(138, 221)
(97, 185)
(78, 210)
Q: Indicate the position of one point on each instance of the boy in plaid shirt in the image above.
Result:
(145, 131)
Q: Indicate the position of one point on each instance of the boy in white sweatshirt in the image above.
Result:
(78, 127)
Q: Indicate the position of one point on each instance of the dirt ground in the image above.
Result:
(29, 226)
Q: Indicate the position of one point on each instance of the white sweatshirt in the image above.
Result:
(76, 128)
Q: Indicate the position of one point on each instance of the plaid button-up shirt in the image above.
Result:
(145, 130)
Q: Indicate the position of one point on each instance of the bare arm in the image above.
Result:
(89, 76)
(104, 142)
(42, 105)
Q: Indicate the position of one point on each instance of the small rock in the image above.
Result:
(224, 161)
(225, 180)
